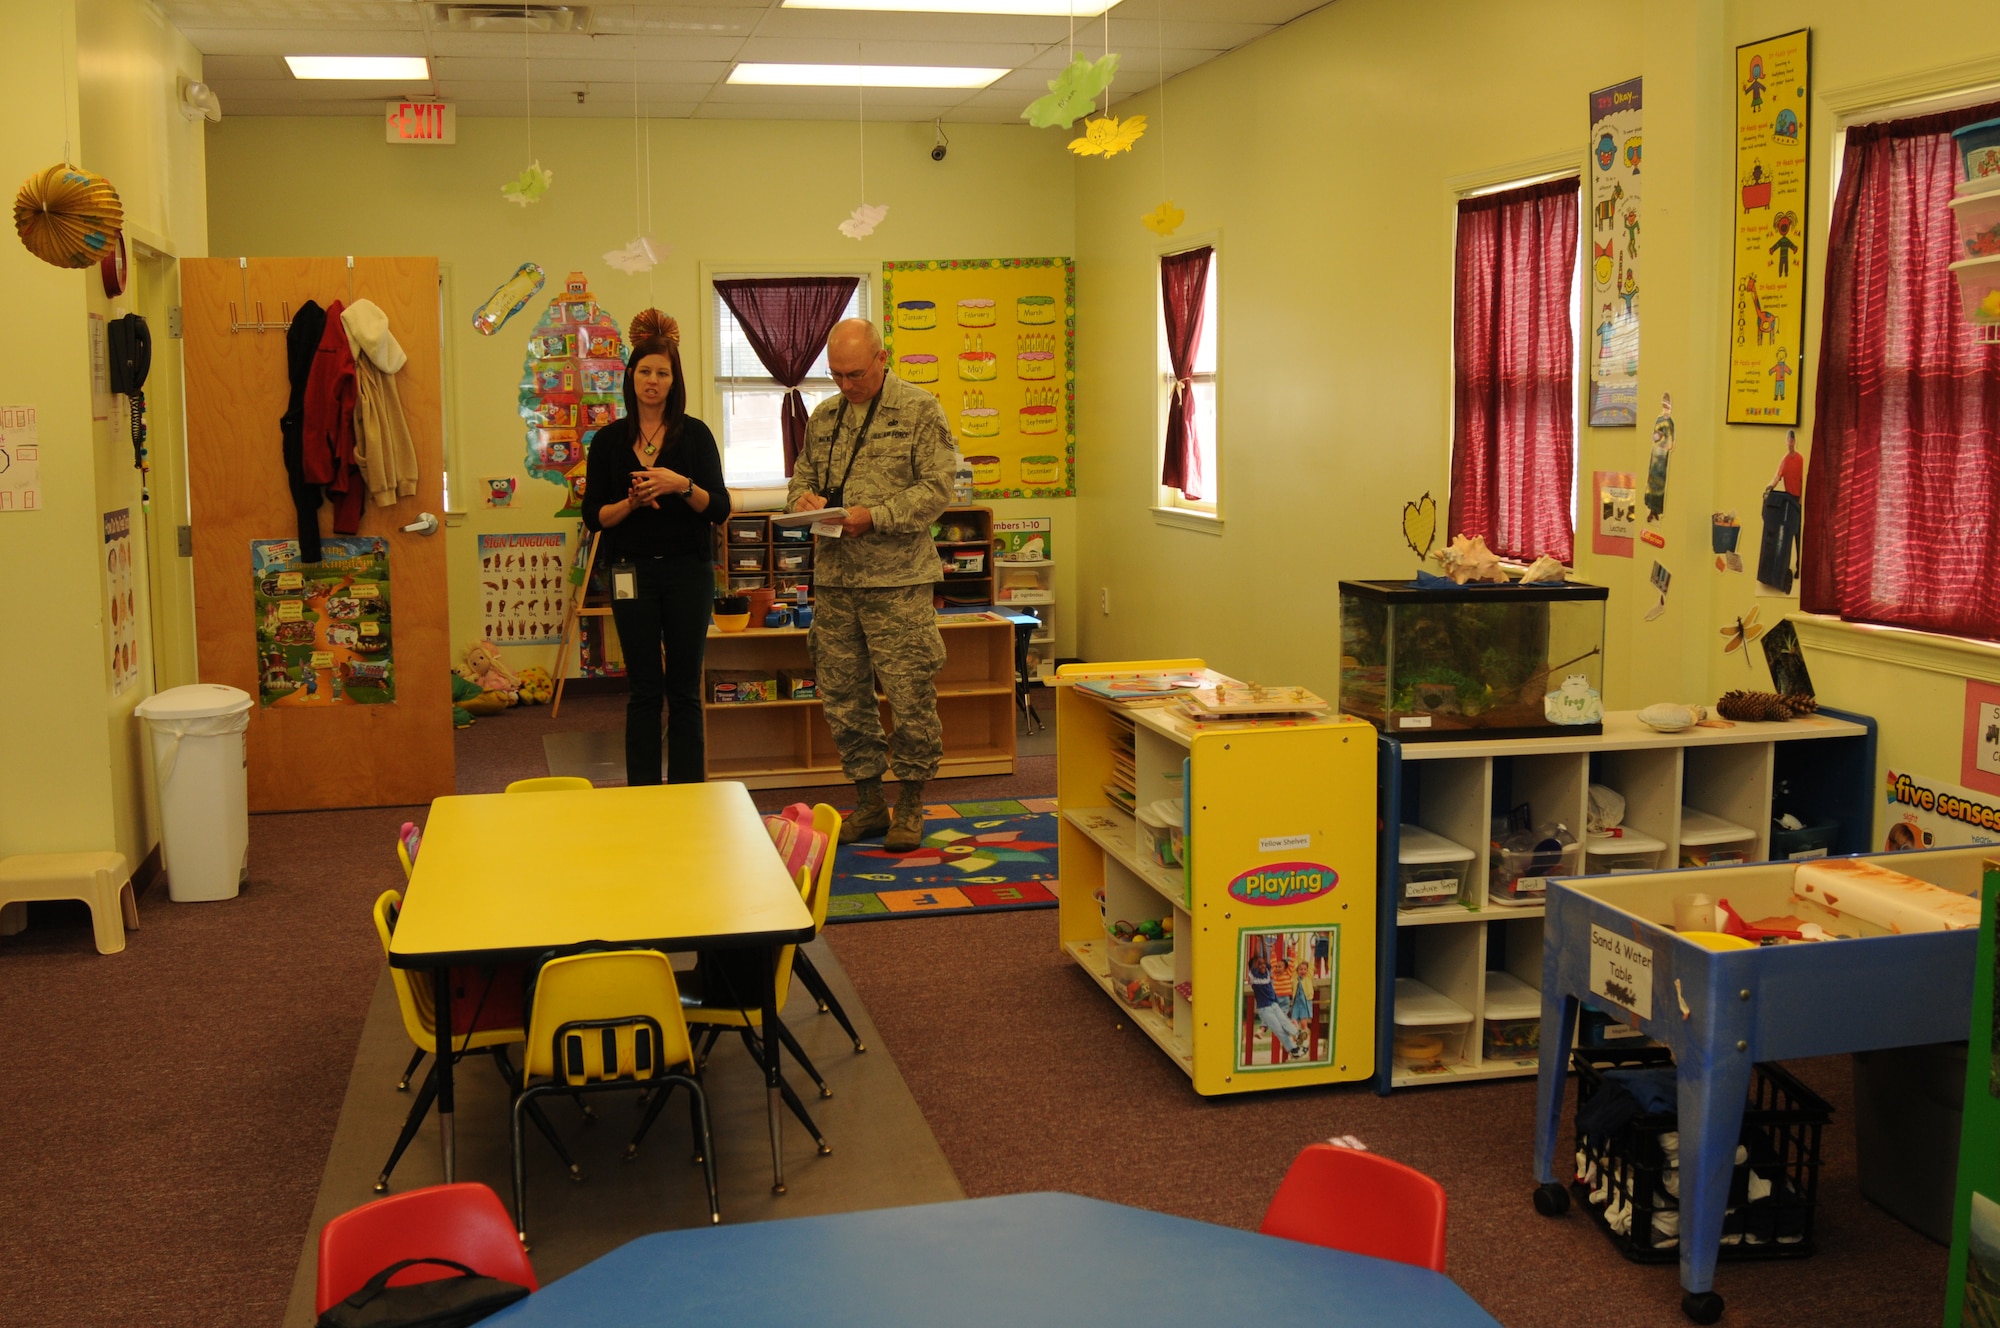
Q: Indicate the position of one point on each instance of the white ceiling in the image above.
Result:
(680, 54)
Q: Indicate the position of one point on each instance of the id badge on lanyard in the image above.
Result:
(624, 580)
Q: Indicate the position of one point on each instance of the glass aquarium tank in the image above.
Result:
(1470, 661)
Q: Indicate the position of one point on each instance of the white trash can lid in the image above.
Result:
(197, 700)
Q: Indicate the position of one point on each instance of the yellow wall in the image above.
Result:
(101, 74)
(1324, 160)
(734, 195)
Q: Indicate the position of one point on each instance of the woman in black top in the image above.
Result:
(653, 485)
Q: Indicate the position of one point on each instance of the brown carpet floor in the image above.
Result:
(168, 1111)
(1031, 1080)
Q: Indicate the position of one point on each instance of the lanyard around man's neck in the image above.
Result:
(860, 438)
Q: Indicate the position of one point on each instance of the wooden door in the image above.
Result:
(236, 390)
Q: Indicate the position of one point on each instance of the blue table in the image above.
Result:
(1720, 1012)
(1023, 1259)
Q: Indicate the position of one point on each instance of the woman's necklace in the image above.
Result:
(649, 446)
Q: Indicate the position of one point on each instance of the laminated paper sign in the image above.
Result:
(523, 588)
(1768, 202)
(994, 340)
(323, 629)
(121, 602)
(1612, 309)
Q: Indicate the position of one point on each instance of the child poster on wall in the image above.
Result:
(572, 385)
(121, 604)
(994, 340)
(1768, 300)
(1613, 303)
(1285, 998)
(323, 629)
(523, 584)
(20, 459)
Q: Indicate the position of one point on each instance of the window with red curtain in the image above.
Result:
(1902, 497)
(1186, 304)
(1513, 441)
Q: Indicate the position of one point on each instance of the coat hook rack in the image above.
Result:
(350, 278)
(259, 325)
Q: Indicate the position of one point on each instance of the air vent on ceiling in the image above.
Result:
(512, 18)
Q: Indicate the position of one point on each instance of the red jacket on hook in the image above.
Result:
(329, 426)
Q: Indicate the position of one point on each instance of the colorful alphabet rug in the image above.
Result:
(976, 857)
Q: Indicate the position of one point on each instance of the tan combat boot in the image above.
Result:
(870, 815)
(907, 830)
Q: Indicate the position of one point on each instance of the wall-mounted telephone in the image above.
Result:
(131, 347)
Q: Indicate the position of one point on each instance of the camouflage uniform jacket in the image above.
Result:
(903, 476)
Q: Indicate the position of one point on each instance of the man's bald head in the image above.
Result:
(856, 358)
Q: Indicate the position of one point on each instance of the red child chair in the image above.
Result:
(465, 1222)
(1346, 1199)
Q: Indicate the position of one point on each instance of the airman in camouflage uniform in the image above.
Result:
(882, 450)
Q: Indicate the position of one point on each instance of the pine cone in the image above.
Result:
(1754, 707)
(1801, 703)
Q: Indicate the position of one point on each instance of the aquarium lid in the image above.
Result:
(1627, 841)
(1417, 846)
(1699, 827)
(1507, 997)
(1418, 1006)
(1404, 592)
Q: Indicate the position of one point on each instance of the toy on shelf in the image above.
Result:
(1247, 700)
(484, 669)
(1754, 706)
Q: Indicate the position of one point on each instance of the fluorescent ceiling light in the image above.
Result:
(870, 76)
(1036, 8)
(380, 67)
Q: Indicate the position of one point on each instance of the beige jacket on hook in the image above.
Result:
(382, 446)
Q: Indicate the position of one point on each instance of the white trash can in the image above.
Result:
(204, 785)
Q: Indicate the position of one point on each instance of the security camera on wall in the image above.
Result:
(939, 148)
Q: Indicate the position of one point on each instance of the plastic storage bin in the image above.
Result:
(1125, 956)
(1522, 877)
(1512, 1018)
(1160, 831)
(1430, 869)
(1979, 293)
(1467, 661)
(1430, 1028)
(1627, 851)
(1630, 1167)
(1159, 972)
(1979, 152)
(1978, 218)
(1708, 840)
(1810, 841)
(204, 787)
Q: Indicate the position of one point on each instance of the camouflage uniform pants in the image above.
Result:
(860, 634)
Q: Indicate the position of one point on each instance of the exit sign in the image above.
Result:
(422, 122)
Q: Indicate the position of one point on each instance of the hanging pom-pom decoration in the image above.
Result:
(68, 217)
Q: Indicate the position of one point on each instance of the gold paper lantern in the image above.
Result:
(67, 216)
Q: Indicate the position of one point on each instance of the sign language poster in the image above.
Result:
(1613, 307)
(1768, 300)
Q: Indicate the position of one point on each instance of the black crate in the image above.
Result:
(1782, 1121)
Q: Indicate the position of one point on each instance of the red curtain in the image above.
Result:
(1514, 360)
(1902, 503)
(786, 320)
(1183, 283)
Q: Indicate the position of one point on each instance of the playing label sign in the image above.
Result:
(1621, 971)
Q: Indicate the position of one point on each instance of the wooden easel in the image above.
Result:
(573, 622)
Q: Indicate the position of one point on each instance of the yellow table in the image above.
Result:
(510, 877)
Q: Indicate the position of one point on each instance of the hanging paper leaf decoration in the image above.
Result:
(529, 186)
(67, 216)
(1420, 525)
(1108, 136)
(1073, 93)
(1164, 219)
(640, 255)
(863, 220)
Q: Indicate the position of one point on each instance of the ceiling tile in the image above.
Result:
(304, 39)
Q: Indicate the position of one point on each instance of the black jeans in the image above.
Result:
(1781, 536)
(667, 617)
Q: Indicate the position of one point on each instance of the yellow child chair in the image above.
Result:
(549, 784)
(715, 1010)
(603, 1020)
(826, 821)
(413, 998)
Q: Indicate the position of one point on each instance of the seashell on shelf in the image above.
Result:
(1668, 717)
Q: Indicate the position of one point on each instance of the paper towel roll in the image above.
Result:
(1886, 898)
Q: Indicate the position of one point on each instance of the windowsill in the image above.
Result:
(1187, 519)
(1955, 656)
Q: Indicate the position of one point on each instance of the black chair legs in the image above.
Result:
(526, 1107)
(410, 1070)
(791, 1098)
(791, 1044)
(802, 965)
(418, 1110)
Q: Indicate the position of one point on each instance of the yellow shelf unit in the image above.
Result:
(787, 744)
(1280, 842)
